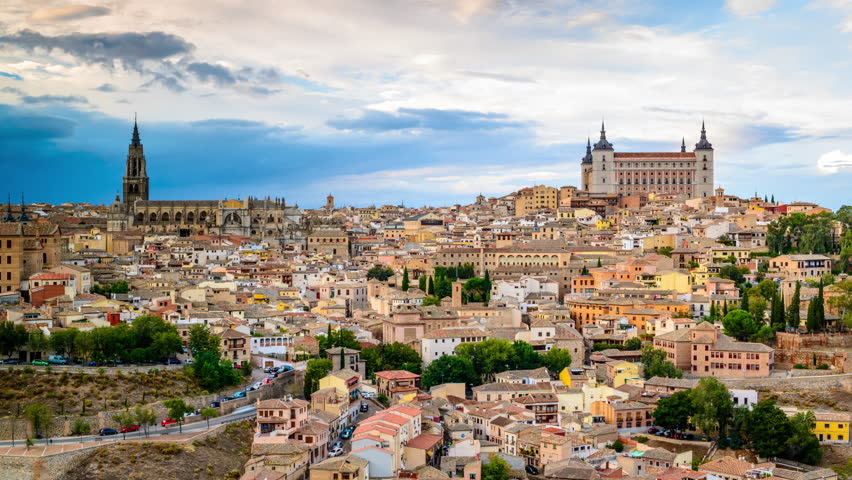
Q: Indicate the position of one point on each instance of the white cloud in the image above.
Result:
(587, 19)
(67, 12)
(834, 161)
(746, 8)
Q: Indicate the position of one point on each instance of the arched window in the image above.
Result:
(140, 217)
(202, 217)
(153, 217)
(190, 217)
(178, 217)
(165, 217)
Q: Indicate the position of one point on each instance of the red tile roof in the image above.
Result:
(397, 375)
(424, 441)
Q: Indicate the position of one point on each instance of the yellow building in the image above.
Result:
(603, 224)
(832, 427)
(570, 400)
(673, 280)
(720, 254)
(534, 199)
(620, 372)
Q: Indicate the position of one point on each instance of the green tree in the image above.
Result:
(421, 283)
(767, 428)
(732, 272)
(768, 288)
(757, 307)
(208, 413)
(525, 357)
(38, 343)
(39, 416)
(557, 359)
(476, 289)
(496, 469)
(584, 271)
(178, 410)
(841, 300)
(202, 340)
(488, 357)
(431, 301)
(62, 341)
(487, 285)
(816, 312)
(618, 446)
(145, 417)
(450, 369)
(673, 412)
(80, 427)
(316, 369)
(713, 406)
(633, 344)
(655, 364)
(802, 445)
(777, 317)
(379, 273)
(431, 289)
(405, 280)
(398, 356)
(667, 251)
(739, 324)
(795, 307)
(443, 287)
(13, 337)
(124, 420)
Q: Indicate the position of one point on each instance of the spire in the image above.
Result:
(135, 141)
(603, 144)
(9, 217)
(683, 144)
(23, 217)
(703, 144)
(588, 157)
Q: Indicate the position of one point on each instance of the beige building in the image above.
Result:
(534, 199)
(801, 267)
(348, 467)
(26, 248)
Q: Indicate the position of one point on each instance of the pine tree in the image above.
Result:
(487, 287)
(599, 262)
(744, 304)
(405, 284)
(421, 283)
(585, 271)
(431, 287)
(793, 315)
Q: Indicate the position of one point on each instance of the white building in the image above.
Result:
(444, 341)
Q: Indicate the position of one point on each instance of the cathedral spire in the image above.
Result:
(135, 141)
(23, 217)
(703, 144)
(683, 144)
(588, 157)
(9, 217)
(603, 143)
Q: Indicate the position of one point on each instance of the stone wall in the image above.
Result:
(795, 341)
(839, 361)
(810, 384)
(128, 370)
(41, 468)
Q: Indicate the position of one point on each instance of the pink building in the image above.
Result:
(706, 352)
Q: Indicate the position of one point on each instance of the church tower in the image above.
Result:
(603, 165)
(135, 179)
(704, 165)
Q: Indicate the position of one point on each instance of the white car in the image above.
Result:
(335, 451)
(368, 394)
(257, 385)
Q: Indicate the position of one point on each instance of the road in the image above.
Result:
(241, 413)
(372, 410)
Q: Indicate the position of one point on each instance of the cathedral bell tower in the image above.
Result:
(135, 179)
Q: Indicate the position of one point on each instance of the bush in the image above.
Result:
(617, 445)
(641, 438)
(799, 366)
(823, 367)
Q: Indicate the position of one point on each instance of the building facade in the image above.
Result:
(603, 170)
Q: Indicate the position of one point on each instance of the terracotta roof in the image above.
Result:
(397, 375)
(654, 155)
(424, 441)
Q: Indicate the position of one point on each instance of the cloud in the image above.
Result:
(12, 90)
(745, 8)
(500, 77)
(208, 72)
(32, 100)
(68, 12)
(586, 19)
(429, 118)
(106, 49)
(107, 87)
(13, 76)
(834, 161)
(166, 81)
(21, 126)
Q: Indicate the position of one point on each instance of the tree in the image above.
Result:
(201, 340)
(618, 446)
(496, 469)
(39, 416)
(557, 359)
(178, 410)
(209, 413)
(757, 307)
(124, 419)
(379, 273)
(633, 344)
(767, 428)
(816, 312)
(443, 287)
(12, 338)
(37, 342)
(62, 341)
(487, 285)
(739, 324)
(673, 412)
(802, 445)
(81, 427)
(450, 369)
(744, 303)
(316, 369)
(841, 300)
(667, 251)
(777, 317)
(768, 288)
(656, 365)
(525, 357)
(431, 301)
(421, 283)
(431, 288)
(145, 417)
(405, 285)
(398, 356)
(794, 309)
(584, 271)
(476, 289)
(713, 406)
(488, 357)
(732, 272)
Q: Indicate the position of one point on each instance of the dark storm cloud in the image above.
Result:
(130, 49)
(18, 125)
(431, 118)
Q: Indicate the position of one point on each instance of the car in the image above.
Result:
(365, 407)
(268, 369)
(368, 395)
(215, 404)
(653, 430)
(257, 385)
(240, 394)
(337, 444)
(237, 366)
(267, 381)
(251, 388)
(107, 431)
(274, 375)
(188, 362)
(335, 452)
(346, 434)
(174, 361)
(287, 368)
(531, 470)
(11, 361)
(168, 422)
(40, 363)
(57, 359)
(130, 428)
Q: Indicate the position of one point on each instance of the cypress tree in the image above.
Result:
(744, 304)
(599, 262)
(431, 287)
(585, 271)
(777, 317)
(421, 283)
(487, 286)
(713, 312)
(405, 284)
(793, 316)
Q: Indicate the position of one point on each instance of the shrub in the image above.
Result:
(169, 448)
(799, 366)
(823, 366)
(641, 438)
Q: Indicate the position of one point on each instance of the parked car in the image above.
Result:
(174, 361)
(287, 368)
(365, 407)
(57, 359)
(653, 430)
(237, 366)
(130, 428)
(337, 444)
(11, 361)
(107, 431)
(40, 363)
(531, 470)
(267, 381)
(168, 422)
(215, 404)
(257, 385)
(335, 452)
(346, 434)
(240, 394)
(368, 395)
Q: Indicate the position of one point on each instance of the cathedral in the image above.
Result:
(603, 170)
(267, 218)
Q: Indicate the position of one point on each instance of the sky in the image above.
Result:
(417, 102)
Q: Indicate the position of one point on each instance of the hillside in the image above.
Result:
(217, 457)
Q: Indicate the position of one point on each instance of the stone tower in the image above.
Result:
(704, 166)
(135, 179)
(586, 168)
(329, 202)
(603, 165)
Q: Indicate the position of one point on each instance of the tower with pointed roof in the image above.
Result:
(678, 173)
(135, 181)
